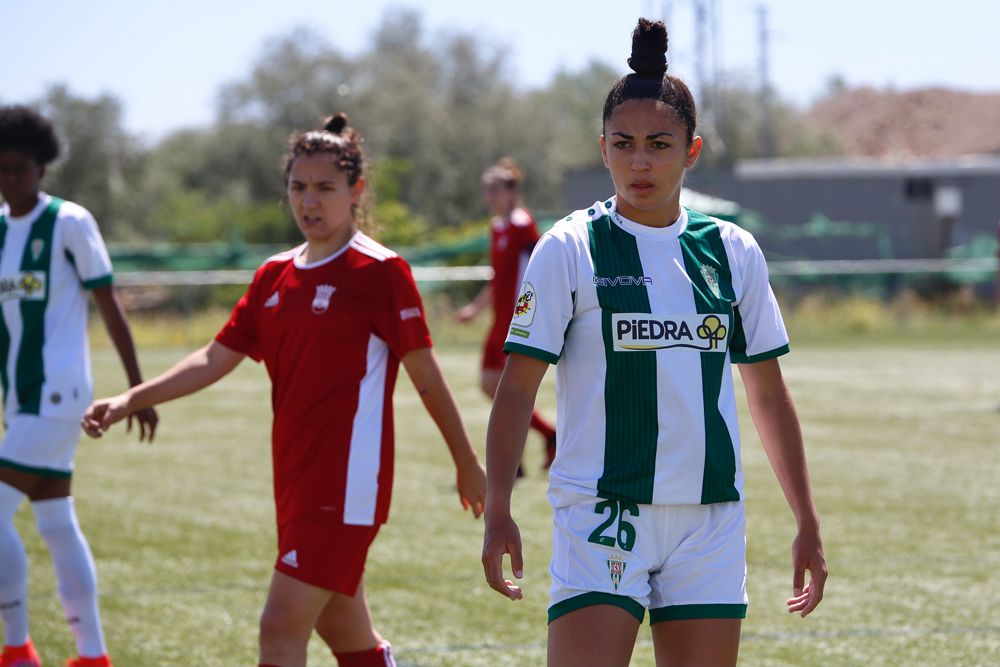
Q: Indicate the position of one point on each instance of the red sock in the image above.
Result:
(539, 424)
(263, 665)
(380, 656)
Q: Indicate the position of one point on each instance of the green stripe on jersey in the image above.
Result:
(101, 281)
(4, 331)
(631, 420)
(707, 267)
(37, 257)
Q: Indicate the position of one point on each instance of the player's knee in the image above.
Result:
(278, 625)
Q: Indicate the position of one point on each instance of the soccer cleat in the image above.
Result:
(550, 451)
(99, 661)
(20, 656)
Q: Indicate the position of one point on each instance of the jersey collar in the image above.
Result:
(672, 231)
(31, 216)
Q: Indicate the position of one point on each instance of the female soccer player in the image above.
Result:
(331, 319)
(643, 305)
(51, 255)
(513, 233)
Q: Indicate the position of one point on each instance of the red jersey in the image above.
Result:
(331, 335)
(511, 243)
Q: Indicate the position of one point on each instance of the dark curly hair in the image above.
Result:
(649, 78)
(341, 142)
(337, 139)
(24, 129)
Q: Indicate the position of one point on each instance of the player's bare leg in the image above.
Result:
(345, 623)
(290, 614)
(704, 642)
(489, 379)
(599, 635)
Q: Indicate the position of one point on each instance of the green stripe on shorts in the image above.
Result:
(43, 472)
(689, 612)
(594, 599)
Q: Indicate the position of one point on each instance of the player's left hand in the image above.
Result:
(807, 554)
(502, 537)
(148, 419)
(471, 480)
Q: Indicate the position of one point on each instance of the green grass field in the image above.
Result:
(903, 440)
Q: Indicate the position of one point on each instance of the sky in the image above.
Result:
(166, 60)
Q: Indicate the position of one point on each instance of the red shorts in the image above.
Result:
(326, 555)
(493, 356)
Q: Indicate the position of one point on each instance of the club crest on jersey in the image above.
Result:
(639, 332)
(524, 308)
(616, 568)
(322, 299)
(711, 277)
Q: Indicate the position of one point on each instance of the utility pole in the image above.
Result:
(766, 117)
(700, 49)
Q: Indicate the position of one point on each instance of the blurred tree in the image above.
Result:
(99, 161)
(737, 122)
(298, 80)
(436, 110)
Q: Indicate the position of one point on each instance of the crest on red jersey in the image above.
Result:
(322, 299)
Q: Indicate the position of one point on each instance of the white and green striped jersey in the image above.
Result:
(48, 258)
(642, 323)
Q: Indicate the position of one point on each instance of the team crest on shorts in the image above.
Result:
(711, 277)
(616, 568)
(322, 299)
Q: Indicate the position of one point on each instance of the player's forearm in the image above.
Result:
(116, 324)
(483, 298)
(778, 426)
(508, 428)
(440, 404)
(192, 373)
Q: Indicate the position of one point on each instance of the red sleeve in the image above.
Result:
(240, 332)
(529, 234)
(400, 321)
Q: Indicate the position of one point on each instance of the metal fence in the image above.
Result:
(985, 267)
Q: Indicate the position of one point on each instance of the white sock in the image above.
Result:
(75, 572)
(13, 570)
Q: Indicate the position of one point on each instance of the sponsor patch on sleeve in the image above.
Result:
(524, 308)
(409, 313)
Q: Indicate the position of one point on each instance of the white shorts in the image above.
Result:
(679, 561)
(40, 445)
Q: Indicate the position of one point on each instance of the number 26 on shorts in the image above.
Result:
(616, 509)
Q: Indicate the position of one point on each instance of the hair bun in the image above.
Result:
(649, 49)
(336, 123)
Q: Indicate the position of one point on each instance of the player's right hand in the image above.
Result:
(465, 314)
(103, 413)
(502, 537)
